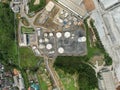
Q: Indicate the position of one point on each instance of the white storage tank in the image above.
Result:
(58, 34)
(61, 50)
(67, 34)
(82, 39)
(49, 46)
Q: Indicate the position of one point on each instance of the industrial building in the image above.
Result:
(18, 80)
(112, 22)
(108, 4)
(23, 40)
(107, 23)
(106, 80)
(76, 6)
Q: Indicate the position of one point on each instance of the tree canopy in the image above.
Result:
(7, 35)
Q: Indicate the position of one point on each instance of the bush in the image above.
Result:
(108, 60)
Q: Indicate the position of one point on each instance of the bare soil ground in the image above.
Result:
(89, 4)
(97, 58)
(54, 12)
(37, 2)
(47, 1)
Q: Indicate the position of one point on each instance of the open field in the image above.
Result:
(27, 58)
(68, 81)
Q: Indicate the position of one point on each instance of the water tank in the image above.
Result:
(67, 34)
(61, 50)
(49, 46)
(58, 34)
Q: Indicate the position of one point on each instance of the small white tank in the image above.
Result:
(45, 34)
(67, 34)
(46, 40)
(58, 34)
(49, 46)
(51, 34)
(60, 50)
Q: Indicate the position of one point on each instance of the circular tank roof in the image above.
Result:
(61, 50)
(49, 46)
(40, 40)
(82, 39)
(51, 34)
(45, 34)
(58, 34)
(67, 34)
(46, 40)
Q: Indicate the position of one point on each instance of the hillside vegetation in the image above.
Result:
(8, 53)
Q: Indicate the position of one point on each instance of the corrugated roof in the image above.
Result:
(108, 3)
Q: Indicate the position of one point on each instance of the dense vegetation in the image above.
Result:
(8, 52)
(87, 79)
(38, 7)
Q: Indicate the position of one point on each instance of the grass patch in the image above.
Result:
(36, 8)
(67, 80)
(27, 30)
(27, 57)
(43, 85)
